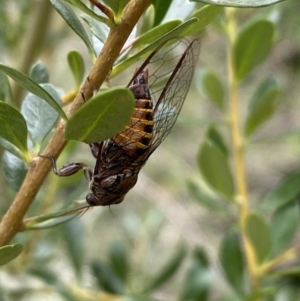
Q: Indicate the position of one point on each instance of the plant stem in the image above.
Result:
(39, 167)
(239, 153)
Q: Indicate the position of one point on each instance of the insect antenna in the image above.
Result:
(110, 210)
(82, 212)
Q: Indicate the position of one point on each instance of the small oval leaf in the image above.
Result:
(72, 20)
(119, 259)
(285, 192)
(198, 279)
(14, 170)
(40, 117)
(215, 137)
(167, 271)
(99, 29)
(262, 106)
(212, 88)
(231, 258)
(215, 169)
(9, 252)
(208, 201)
(5, 90)
(106, 278)
(252, 46)
(31, 86)
(258, 232)
(153, 34)
(76, 65)
(205, 16)
(12, 149)
(13, 127)
(102, 117)
(73, 234)
(39, 73)
(161, 8)
(284, 224)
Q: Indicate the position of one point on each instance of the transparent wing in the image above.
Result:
(171, 67)
(172, 96)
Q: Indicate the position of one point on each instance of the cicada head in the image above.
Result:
(110, 190)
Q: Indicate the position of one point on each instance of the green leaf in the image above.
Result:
(106, 278)
(206, 200)
(91, 13)
(167, 271)
(50, 277)
(117, 6)
(252, 46)
(231, 258)
(284, 224)
(9, 252)
(153, 34)
(119, 261)
(5, 91)
(282, 273)
(262, 106)
(102, 117)
(40, 117)
(212, 88)
(73, 233)
(14, 170)
(197, 280)
(100, 30)
(13, 128)
(69, 16)
(12, 149)
(173, 34)
(76, 65)
(215, 169)
(285, 192)
(31, 86)
(215, 138)
(205, 16)
(241, 3)
(39, 73)
(161, 8)
(258, 232)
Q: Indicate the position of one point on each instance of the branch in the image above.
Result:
(39, 167)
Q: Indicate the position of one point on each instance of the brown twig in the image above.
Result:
(39, 167)
(106, 10)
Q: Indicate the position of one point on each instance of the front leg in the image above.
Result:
(70, 169)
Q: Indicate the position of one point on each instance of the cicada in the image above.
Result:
(159, 86)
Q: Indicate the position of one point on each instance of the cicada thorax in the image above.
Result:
(138, 133)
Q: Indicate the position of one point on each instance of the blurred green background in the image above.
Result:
(123, 249)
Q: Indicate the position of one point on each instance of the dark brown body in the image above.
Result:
(122, 158)
(119, 159)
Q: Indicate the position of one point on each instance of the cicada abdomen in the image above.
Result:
(159, 85)
(138, 133)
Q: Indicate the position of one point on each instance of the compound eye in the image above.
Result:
(92, 200)
(111, 184)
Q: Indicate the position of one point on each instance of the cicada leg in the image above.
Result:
(70, 169)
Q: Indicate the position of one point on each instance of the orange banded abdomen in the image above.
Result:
(138, 133)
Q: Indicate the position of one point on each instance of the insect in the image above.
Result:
(119, 159)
